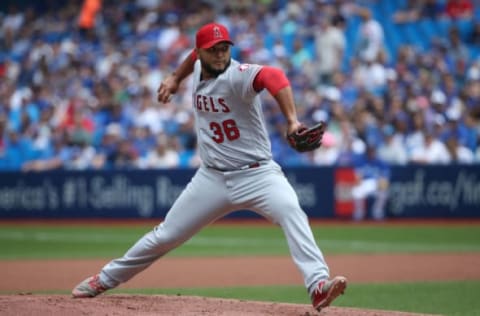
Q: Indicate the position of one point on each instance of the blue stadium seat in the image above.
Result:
(351, 31)
(428, 28)
(415, 36)
(269, 40)
(464, 26)
(443, 26)
(474, 52)
(288, 40)
(476, 13)
(392, 39)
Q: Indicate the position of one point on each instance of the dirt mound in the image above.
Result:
(143, 305)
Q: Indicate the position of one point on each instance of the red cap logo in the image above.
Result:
(211, 34)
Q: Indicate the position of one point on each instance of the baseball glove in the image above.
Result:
(307, 138)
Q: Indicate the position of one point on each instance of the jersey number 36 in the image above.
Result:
(227, 129)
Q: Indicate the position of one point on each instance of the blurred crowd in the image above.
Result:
(78, 81)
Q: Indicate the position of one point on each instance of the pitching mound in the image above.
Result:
(142, 305)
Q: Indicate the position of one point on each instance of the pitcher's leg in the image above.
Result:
(278, 201)
(303, 248)
(195, 208)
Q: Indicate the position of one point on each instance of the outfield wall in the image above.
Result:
(324, 192)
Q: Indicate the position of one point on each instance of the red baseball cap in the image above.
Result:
(211, 34)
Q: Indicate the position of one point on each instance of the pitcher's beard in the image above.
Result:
(215, 72)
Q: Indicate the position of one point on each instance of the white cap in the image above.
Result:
(113, 129)
(453, 114)
(473, 73)
(320, 115)
(438, 97)
(332, 93)
(391, 74)
(439, 119)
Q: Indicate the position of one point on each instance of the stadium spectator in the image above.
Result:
(392, 150)
(458, 153)
(107, 147)
(416, 135)
(123, 156)
(351, 146)
(13, 20)
(438, 101)
(371, 75)
(457, 50)
(456, 118)
(301, 57)
(365, 123)
(88, 16)
(401, 122)
(163, 155)
(148, 114)
(373, 179)
(58, 156)
(330, 45)
(83, 155)
(472, 134)
(370, 37)
(279, 50)
(430, 151)
(170, 39)
(3, 145)
(473, 37)
(459, 9)
(18, 150)
(328, 153)
(142, 139)
(415, 10)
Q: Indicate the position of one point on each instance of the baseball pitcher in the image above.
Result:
(237, 170)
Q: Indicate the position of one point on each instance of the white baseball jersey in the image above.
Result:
(229, 118)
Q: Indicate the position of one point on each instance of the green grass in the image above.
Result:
(81, 241)
(446, 298)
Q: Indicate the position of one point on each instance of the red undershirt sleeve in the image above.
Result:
(193, 55)
(271, 78)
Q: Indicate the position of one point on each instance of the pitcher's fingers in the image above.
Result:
(162, 94)
(162, 88)
(164, 97)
